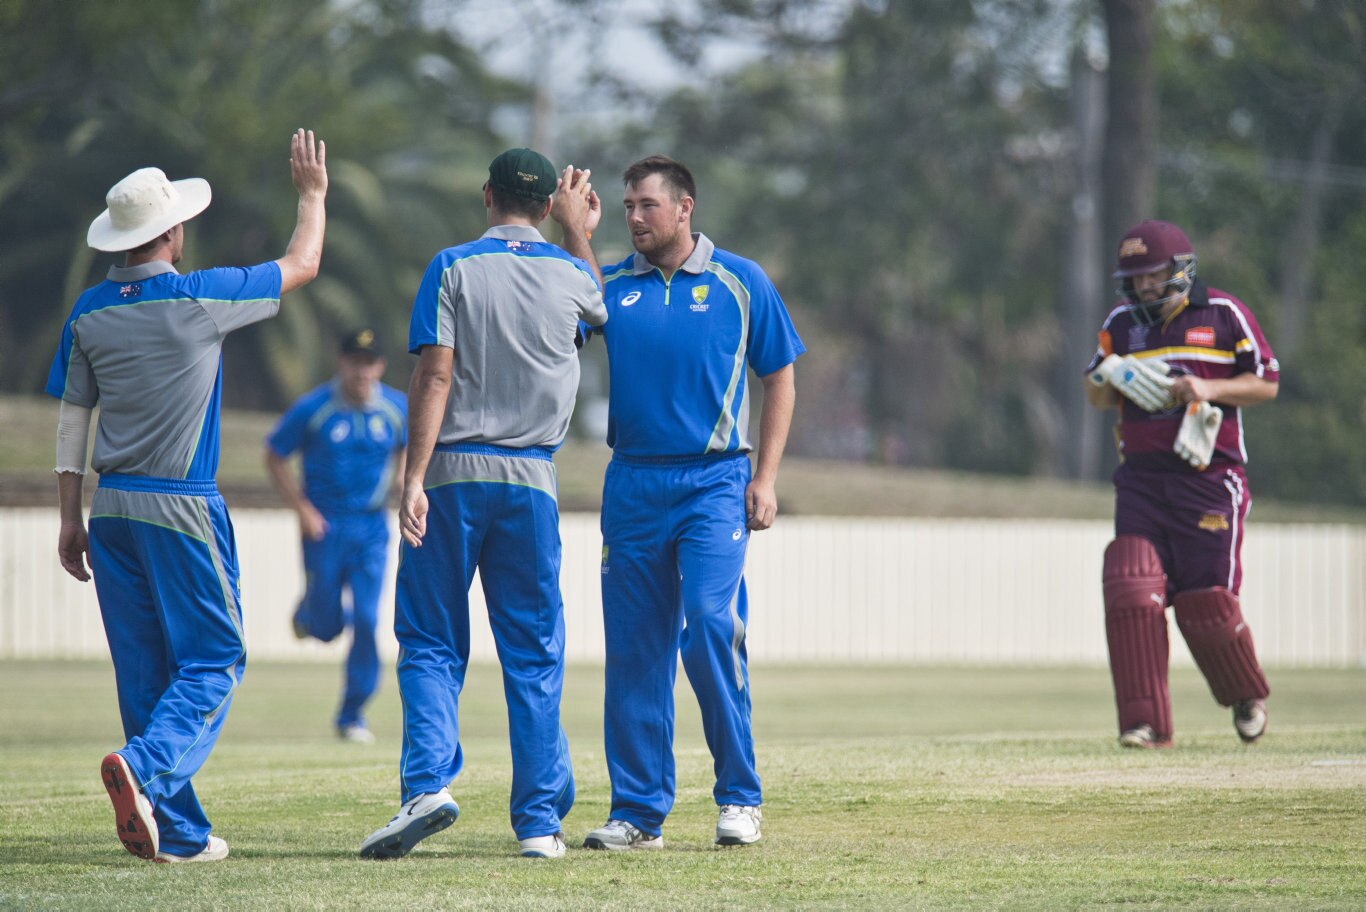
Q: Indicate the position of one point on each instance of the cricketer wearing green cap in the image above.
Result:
(523, 172)
(493, 326)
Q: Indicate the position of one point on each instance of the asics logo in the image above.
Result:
(630, 299)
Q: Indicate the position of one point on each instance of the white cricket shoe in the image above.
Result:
(414, 822)
(1143, 738)
(216, 850)
(132, 811)
(618, 836)
(1249, 719)
(551, 846)
(356, 733)
(738, 825)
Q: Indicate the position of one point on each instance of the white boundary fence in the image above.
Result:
(821, 590)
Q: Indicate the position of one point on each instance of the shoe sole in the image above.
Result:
(647, 845)
(738, 840)
(134, 826)
(396, 845)
(1248, 739)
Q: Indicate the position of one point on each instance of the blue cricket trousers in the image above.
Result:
(494, 509)
(352, 555)
(674, 539)
(165, 568)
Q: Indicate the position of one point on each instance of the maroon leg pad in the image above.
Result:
(1221, 644)
(1136, 630)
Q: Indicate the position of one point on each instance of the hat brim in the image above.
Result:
(195, 196)
(1138, 270)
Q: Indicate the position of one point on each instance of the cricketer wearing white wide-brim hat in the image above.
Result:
(145, 345)
(143, 205)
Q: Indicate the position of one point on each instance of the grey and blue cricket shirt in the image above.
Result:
(146, 346)
(509, 305)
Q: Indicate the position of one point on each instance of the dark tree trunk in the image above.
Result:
(1129, 161)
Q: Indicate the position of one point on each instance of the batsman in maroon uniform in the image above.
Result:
(1180, 360)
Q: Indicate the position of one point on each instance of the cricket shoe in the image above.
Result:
(551, 846)
(1143, 738)
(414, 822)
(216, 850)
(618, 836)
(738, 825)
(356, 733)
(132, 811)
(1249, 719)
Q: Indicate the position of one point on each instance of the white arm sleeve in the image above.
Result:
(73, 436)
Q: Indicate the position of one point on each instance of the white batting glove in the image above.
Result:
(1145, 383)
(1199, 428)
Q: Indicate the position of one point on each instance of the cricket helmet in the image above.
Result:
(1147, 247)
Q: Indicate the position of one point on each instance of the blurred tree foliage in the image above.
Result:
(906, 172)
(214, 88)
(909, 180)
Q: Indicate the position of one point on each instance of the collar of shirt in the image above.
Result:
(515, 233)
(373, 400)
(695, 263)
(140, 271)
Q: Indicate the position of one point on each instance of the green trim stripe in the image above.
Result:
(725, 422)
(515, 484)
(149, 522)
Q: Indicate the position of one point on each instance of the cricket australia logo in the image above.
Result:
(699, 294)
(630, 299)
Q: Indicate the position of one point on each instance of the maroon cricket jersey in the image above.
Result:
(1214, 335)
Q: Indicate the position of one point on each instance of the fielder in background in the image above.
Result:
(1180, 360)
(350, 434)
(494, 326)
(686, 320)
(145, 345)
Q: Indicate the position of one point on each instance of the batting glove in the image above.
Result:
(1199, 428)
(1145, 383)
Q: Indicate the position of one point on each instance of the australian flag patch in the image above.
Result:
(133, 290)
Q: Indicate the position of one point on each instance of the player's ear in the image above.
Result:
(685, 206)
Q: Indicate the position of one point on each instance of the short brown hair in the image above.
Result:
(676, 175)
(516, 204)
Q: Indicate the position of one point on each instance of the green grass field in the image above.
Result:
(887, 787)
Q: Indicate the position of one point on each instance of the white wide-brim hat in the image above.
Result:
(143, 205)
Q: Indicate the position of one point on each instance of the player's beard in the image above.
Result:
(654, 244)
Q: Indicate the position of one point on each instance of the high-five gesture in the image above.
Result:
(308, 170)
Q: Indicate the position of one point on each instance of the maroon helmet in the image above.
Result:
(1148, 246)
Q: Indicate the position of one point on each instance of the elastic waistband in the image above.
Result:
(489, 449)
(667, 462)
(120, 482)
